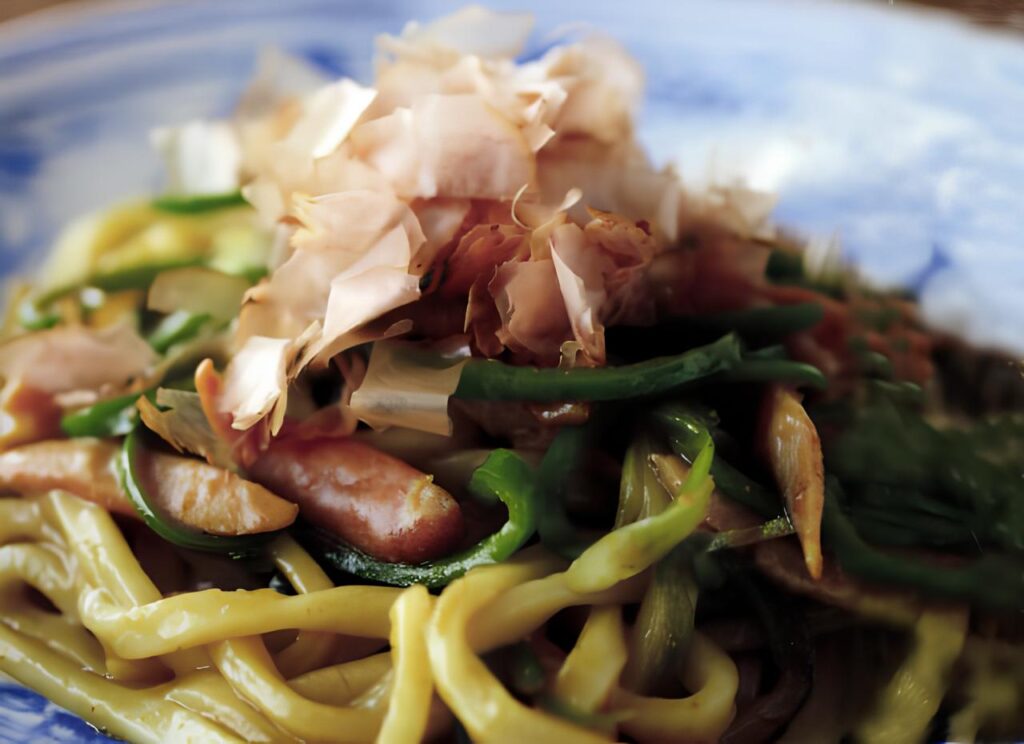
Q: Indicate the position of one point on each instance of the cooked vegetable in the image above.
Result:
(35, 313)
(492, 380)
(561, 463)
(990, 580)
(175, 328)
(687, 433)
(503, 476)
(198, 204)
(794, 453)
(113, 417)
(196, 505)
(663, 629)
(628, 550)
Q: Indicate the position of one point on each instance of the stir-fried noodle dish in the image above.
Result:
(433, 411)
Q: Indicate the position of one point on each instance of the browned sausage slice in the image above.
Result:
(84, 467)
(372, 500)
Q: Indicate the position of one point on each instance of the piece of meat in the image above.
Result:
(84, 467)
(27, 415)
(370, 499)
(211, 499)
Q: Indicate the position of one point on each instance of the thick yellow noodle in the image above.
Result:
(196, 666)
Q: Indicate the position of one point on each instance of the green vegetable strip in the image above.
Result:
(108, 418)
(199, 204)
(113, 417)
(626, 551)
(504, 476)
(493, 380)
(640, 493)
(661, 635)
(34, 313)
(561, 462)
(175, 328)
(991, 580)
(169, 530)
(687, 434)
(775, 370)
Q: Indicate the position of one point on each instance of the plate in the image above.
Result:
(896, 132)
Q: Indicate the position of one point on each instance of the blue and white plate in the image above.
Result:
(898, 131)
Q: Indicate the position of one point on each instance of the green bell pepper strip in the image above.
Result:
(114, 417)
(199, 204)
(177, 534)
(493, 380)
(34, 313)
(991, 580)
(174, 328)
(562, 460)
(504, 476)
(108, 418)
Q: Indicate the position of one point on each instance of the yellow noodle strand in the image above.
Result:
(340, 684)
(102, 552)
(912, 697)
(486, 709)
(140, 716)
(592, 669)
(208, 694)
(199, 618)
(61, 633)
(20, 519)
(247, 666)
(109, 565)
(526, 607)
(702, 716)
(409, 707)
(42, 567)
(310, 649)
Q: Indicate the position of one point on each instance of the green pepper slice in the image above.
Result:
(108, 418)
(177, 534)
(504, 476)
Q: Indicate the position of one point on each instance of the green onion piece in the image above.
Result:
(628, 550)
(199, 204)
(493, 380)
(661, 635)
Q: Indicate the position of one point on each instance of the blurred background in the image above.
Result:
(894, 128)
(987, 12)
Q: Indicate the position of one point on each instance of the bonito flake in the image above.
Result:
(459, 184)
